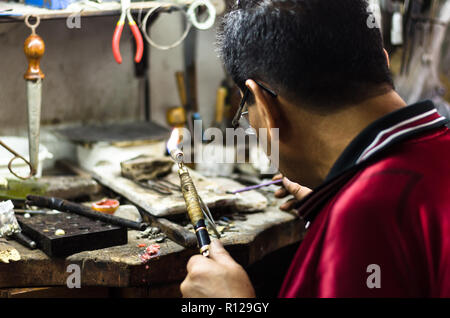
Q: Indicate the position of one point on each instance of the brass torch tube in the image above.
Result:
(194, 210)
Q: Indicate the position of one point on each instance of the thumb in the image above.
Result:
(218, 253)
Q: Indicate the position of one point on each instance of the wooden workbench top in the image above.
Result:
(120, 266)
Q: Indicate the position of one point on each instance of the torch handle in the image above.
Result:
(194, 210)
(190, 196)
(202, 237)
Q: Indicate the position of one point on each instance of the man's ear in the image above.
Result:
(387, 57)
(264, 104)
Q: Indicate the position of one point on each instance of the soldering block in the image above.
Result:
(81, 233)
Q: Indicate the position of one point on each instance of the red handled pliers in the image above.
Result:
(118, 33)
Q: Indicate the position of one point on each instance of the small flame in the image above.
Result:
(174, 140)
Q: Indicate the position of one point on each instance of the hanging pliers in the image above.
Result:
(134, 29)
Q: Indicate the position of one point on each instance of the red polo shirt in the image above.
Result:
(379, 226)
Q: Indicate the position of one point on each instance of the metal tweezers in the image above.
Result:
(160, 186)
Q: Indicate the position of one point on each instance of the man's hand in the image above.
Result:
(289, 187)
(217, 276)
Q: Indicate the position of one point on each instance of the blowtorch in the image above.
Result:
(197, 210)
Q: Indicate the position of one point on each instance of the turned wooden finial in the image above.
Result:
(34, 49)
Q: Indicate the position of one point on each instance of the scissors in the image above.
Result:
(126, 13)
(17, 156)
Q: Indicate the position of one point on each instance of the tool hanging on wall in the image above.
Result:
(141, 73)
(176, 116)
(34, 49)
(191, 17)
(190, 80)
(181, 86)
(152, 13)
(126, 14)
(219, 121)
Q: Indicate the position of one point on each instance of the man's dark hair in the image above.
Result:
(322, 52)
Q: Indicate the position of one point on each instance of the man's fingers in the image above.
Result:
(292, 187)
(218, 253)
(295, 189)
(189, 288)
(288, 205)
(281, 193)
(184, 287)
(196, 261)
(277, 177)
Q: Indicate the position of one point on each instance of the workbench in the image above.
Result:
(120, 267)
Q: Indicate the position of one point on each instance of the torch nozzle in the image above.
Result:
(177, 155)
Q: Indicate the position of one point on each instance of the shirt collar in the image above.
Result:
(381, 134)
(386, 131)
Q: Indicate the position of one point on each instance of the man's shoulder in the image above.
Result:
(414, 173)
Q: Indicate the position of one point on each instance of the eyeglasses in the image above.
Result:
(241, 117)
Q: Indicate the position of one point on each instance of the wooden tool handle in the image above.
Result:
(34, 49)
(191, 85)
(176, 232)
(220, 103)
(176, 116)
(181, 88)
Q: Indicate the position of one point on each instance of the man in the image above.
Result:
(379, 214)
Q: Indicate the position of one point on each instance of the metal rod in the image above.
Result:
(24, 211)
(256, 186)
(24, 240)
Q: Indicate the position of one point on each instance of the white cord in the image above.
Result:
(193, 16)
(165, 47)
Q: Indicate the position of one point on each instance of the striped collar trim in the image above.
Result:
(386, 131)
